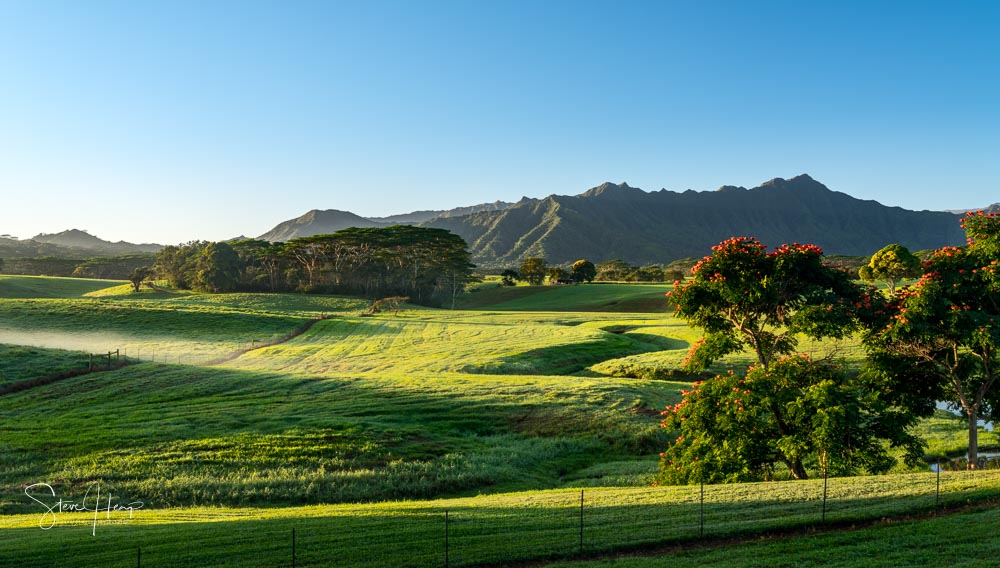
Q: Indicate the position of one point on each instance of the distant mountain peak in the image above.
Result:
(81, 239)
(607, 189)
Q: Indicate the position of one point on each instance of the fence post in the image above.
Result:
(581, 521)
(293, 547)
(118, 355)
(823, 518)
(109, 359)
(446, 539)
(91, 366)
(701, 514)
(937, 491)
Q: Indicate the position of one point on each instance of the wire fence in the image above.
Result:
(532, 528)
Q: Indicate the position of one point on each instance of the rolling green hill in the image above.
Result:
(46, 287)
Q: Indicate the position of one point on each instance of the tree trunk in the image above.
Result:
(798, 471)
(973, 436)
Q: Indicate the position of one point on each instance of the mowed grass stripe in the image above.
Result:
(464, 342)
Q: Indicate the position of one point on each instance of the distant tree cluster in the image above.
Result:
(109, 267)
(535, 271)
(430, 266)
(621, 271)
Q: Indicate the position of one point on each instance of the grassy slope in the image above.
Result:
(181, 329)
(48, 287)
(19, 362)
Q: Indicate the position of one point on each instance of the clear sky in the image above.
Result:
(167, 121)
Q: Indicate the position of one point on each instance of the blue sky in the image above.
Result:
(171, 121)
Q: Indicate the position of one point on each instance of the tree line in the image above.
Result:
(431, 266)
(938, 339)
(535, 271)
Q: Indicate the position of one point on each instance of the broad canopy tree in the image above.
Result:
(890, 265)
(533, 270)
(583, 271)
(744, 297)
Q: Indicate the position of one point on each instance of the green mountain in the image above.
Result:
(618, 221)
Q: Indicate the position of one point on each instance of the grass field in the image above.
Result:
(500, 529)
(615, 298)
(21, 363)
(46, 287)
(551, 389)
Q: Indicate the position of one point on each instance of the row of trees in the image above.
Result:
(431, 266)
(936, 340)
(535, 271)
(110, 267)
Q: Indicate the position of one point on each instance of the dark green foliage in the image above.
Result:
(217, 269)
(533, 270)
(557, 273)
(613, 271)
(509, 277)
(652, 273)
(583, 271)
(735, 429)
(672, 275)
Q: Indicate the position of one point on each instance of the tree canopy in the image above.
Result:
(890, 265)
(744, 297)
(734, 428)
(533, 270)
(583, 271)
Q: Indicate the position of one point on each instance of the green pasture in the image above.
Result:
(25, 362)
(615, 298)
(540, 391)
(962, 539)
(49, 287)
(516, 527)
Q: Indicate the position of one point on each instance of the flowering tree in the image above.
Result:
(735, 428)
(945, 330)
(744, 297)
